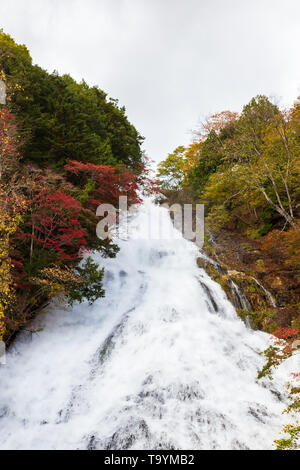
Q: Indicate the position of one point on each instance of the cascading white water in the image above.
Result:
(162, 362)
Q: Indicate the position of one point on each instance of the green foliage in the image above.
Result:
(62, 119)
(292, 442)
(261, 318)
(90, 286)
(170, 171)
(271, 355)
(87, 190)
(209, 161)
(265, 229)
(268, 218)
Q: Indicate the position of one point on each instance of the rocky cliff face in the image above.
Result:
(264, 291)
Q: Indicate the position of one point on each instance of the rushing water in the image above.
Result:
(162, 362)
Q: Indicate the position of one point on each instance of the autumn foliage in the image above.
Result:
(53, 224)
(108, 182)
(47, 223)
(48, 227)
(288, 243)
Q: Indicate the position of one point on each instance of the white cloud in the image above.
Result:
(170, 62)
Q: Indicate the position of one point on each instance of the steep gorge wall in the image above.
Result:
(263, 290)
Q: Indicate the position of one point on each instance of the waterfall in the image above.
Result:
(267, 293)
(239, 298)
(162, 362)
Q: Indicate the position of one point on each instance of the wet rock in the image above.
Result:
(4, 410)
(123, 273)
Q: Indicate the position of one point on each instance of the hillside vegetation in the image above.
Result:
(246, 170)
(65, 148)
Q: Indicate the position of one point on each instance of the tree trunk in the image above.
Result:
(280, 210)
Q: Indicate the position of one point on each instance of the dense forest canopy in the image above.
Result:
(61, 119)
(245, 168)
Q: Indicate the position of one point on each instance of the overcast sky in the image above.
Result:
(170, 62)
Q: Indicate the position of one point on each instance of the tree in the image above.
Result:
(265, 144)
(104, 183)
(89, 286)
(210, 158)
(11, 206)
(259, 152)
(53, 226)
(8, 144)
(61, 119)
(192, 156)
(216, 124)
(74, 285)
(170, 172)
(8, 225)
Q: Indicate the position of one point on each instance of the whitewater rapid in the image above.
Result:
(163, 362)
